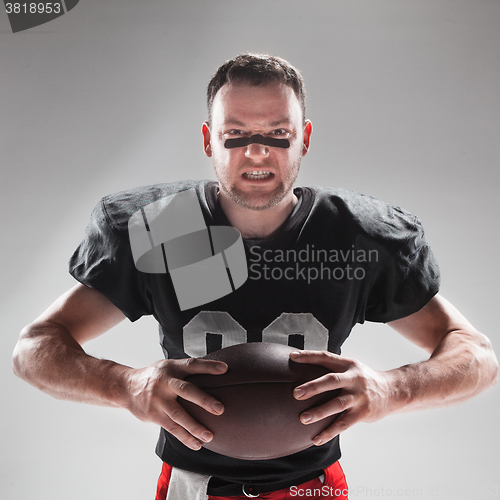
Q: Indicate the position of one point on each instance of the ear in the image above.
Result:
(307, 137)
(207, 147)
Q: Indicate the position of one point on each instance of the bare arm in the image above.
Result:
(49, 355)
(461, 365)
(462, 362)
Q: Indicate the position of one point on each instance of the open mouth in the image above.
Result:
(257, 175)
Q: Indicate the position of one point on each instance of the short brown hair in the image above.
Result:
(257, 69)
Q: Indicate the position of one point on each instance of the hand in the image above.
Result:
(363, 397)
(153, 395)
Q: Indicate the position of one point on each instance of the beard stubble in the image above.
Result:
(263, 201)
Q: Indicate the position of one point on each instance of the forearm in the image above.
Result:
(49, 358)
(462, 365)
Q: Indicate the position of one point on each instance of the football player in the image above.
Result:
(362, 260)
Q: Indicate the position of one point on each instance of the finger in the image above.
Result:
(179, 432)
(328, 382)
(180, 416)
(190, 366)
(190, 392)
(324, 358)
(340, 425)
(333, 407)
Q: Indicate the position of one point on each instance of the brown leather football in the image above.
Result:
(261, 417)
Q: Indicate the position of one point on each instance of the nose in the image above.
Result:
(256, 150)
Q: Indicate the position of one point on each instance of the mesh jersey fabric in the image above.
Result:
(371, 260)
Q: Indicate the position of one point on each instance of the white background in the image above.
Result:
(404, 96)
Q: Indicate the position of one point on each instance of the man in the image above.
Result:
(370, 262)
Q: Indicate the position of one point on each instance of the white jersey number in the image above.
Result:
(222, 323)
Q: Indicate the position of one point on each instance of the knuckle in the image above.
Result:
(191, 362)
(176, 414)
(323, 354)
(342, 402)
(173, 428)
(352, 362)
(182, 386)
(342, 425)
(161, 368)
(176, 385)
(333, 378)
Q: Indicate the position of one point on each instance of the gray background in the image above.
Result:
(404, 97)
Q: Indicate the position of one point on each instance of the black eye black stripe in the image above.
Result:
(241, 142)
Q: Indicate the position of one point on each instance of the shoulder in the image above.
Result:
(117, 208)
(360, 215)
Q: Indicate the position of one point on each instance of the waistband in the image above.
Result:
(221, 488)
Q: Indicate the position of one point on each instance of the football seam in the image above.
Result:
(252, 382)
(241, 383)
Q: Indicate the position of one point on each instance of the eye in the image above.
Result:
(279, 132)
(234, 131)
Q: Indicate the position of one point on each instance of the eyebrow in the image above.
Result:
(281, 121)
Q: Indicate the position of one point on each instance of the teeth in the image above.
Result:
(257, 174)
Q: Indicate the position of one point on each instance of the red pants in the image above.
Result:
(334, 487)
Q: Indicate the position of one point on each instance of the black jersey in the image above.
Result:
(339, 259)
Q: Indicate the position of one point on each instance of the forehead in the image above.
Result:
(264, 104)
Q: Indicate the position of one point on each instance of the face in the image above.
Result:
(256, 176)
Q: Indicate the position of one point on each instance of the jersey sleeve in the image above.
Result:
(405, 281)
(103, 261)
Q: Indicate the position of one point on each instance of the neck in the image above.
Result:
(257, 223)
